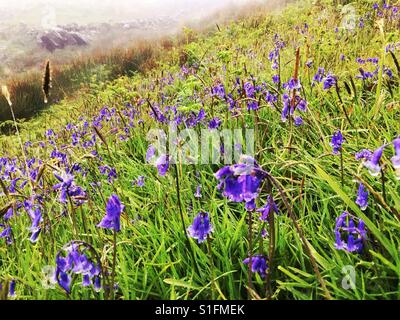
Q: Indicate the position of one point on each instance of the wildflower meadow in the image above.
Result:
(257, 159)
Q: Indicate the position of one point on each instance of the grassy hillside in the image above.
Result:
(300, 78)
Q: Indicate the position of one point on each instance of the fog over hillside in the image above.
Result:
(37, 12)
(34, 30)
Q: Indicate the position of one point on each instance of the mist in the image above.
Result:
(47, 13)
(61, 30)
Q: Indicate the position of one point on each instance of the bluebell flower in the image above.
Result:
(198, 192)
(242, 181)
(329, 81)
(140, 181)
(258, 264)
(151, 151)
(68, 187)
(349, 236)
(373, 164)
(36, 217)
(112, 218)
(337, 141)
(276, 79)
(162, 164)
(319, 76)
(214, 123)
(270, 207)
(264, 233)
(298, 121)
(201, 227)
(364, 154)
(73, 259)
(11, 291)
(362, 197)
(6, 233)
(396, 158)
(219, 91)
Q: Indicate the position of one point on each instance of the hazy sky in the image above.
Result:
(64, 11)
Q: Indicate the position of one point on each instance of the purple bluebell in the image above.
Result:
(364, 154)
(6, 233)
(11, 291)
(242, 181)
(75, 259)
(336, 142)
(298, 121)
(319, 76)
(140, 181)
(276, 79)
(67, 187)
(36, 217)
(264, 233)
(373, 163)
(214, 123)
(197, 194)
(349, 236)
(270, 207)
(201, 227)
(258, 265)
(112, 219)
(362, 197)
(396, 158)
(162, 164)
(151, 151)
(329, 81)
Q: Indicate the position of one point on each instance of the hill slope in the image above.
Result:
(317, 83)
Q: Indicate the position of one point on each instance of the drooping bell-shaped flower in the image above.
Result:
(269, 207)
(372, 164)
(337, 141)
(241, 181)
(201, 227)
(258, 264)
(396, 158)
(362, 197)
(112, 218)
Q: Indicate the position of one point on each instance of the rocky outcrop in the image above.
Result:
(59, 39)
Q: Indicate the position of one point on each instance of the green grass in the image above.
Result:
(153, 259)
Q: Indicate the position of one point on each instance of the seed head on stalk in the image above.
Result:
(46, 84)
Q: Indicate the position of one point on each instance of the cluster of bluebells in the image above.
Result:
(75, 259)
(349, 234)
(365, 75)
(68, 188)
(292, 101)
(241, 182)
(328, 80)
(258, 264)
(386, 10)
